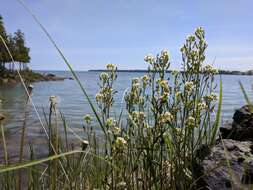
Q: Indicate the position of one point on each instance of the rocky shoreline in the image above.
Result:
(29, 77)
(229, 163)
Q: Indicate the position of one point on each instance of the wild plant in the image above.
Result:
(169, 121)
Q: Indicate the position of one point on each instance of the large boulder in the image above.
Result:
(228, 166)
(242, 125)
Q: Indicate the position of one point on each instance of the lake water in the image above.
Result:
(74, 106)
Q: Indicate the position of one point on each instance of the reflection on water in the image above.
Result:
(73, 104)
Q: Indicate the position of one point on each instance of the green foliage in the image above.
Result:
(169, 122)
(16, 46)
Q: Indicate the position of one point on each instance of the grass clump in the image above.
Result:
(158, 144)
(169, 121)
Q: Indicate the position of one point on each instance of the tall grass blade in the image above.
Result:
(246, 97)
(218, 116)
(36, 162)
(65, 61)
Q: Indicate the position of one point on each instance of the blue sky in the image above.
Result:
(92, 33)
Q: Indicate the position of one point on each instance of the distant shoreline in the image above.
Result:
(224, 72)
(29, 76)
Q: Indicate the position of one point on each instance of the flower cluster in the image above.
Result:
(134, 94)
(202, 105)
(120, 142)
(193, 51)
(111, 122)
(111, 67)
(105, 95)
(104, 77)
(149, 58)
(53, 100)
(190, 122)
(116, 130)
(87, 118)
(188, 86)
(211, 97)
(145, 79)
(209, 69)
(138, 116)
(165, 55)
(161, 62)
(166, 117)
(164, 85)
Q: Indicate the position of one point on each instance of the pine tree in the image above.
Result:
(3, 52)
(16, 46)
(12, 48)
(21, 51)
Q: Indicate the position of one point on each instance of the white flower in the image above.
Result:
(145, 78)
(199, 30)
(190, 122)
(135, 80)
(211, 97)
(202, 105)
(136, 85)
(111, 122)
(120, 142)
(188, 86)
(53, 100)
(149, 58)
(209, 69)
(138, 116)
(104, 76)
(165, 53)
(110, 67)
(87, 118)
(166, 117)
(116, 130)
(164, 85)
(99, 97)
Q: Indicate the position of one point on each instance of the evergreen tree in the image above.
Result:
(21, 51)
(12, 48)
(3, 52)
(16, 46)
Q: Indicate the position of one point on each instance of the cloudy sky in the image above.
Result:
(92, 33)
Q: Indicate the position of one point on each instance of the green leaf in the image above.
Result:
(36, 162)
(218, 116)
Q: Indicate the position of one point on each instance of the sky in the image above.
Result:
(92, 33)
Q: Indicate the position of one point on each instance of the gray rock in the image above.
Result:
(242, 126)
(229, 168)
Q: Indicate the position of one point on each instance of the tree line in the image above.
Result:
(17, 47)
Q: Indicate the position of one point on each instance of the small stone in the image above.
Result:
(230, 146)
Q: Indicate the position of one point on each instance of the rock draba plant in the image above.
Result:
(168, 122)
(170, 118)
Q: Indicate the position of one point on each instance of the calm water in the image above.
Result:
(73, 104)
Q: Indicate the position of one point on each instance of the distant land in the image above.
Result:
(224, 72)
